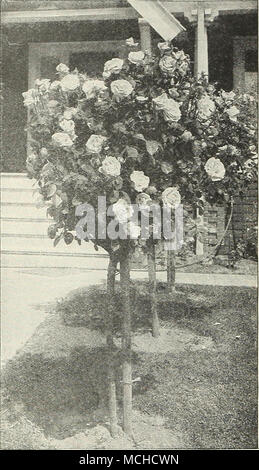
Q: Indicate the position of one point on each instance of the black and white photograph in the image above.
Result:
(129, 212)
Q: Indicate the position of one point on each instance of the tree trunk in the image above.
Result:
(110, 345)
(126, 346)
(152, 288)
(170, 271)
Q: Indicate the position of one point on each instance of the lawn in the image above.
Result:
(199, 378)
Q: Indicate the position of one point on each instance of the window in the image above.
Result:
(88, 57)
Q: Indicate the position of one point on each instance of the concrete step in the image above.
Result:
(22, 211)
(44, 260)
(17, 181)
(25, 226)
(45, 245)
(24, 232)
(19, 196)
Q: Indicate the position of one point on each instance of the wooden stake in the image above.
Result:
(110, 344)
(170, 271)
(152, 289)
(126, 346)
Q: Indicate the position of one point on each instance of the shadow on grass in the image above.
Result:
(62, 395)
(189, 305)
(87, 306)
(51, 390)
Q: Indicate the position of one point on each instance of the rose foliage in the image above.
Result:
(144, 132)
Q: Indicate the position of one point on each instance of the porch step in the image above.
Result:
(25, 226)
(17, 181)
(22, 211)
(41, 244)
(24, 240)
(19, 196)
(52, 260)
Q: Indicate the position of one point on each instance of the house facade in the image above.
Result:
(220, 37)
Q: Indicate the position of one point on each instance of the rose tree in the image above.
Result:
(144, 133)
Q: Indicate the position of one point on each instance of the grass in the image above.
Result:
(209, 396)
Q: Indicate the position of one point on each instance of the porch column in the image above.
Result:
(145, 35)
(201, 60)
(201, 65)
(201, 18)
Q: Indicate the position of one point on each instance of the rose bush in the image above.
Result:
(148, 134)
(145, 132)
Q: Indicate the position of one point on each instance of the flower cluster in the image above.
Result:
(143, 132)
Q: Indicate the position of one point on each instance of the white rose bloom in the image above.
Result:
(43, 152)
(122, 211)
(30, 160)
(167, 64)
(133, 230)
(93, 87)
(170, 107)
(228, 95)
(56, 200)
(166, 167)
(140, 180)
(67, 126)
(179, 55)
(187, 136)
(164, 46)
(184, 67)
(171, 197)
(62, 68)
(136, 57)
(54, 85)
(95, 143)
(215, 169)
(130, 42)
(43, 84)
(141, 99)
(232, 113)
(229, 149)
(121, 88)
(205, 107)
(30, 97)
(69, 113)
(112, 66)
(70, 82)
(172, 111)
(110, 167)
(161, 101)
(52, 105)
(62, 139)
(143, 200)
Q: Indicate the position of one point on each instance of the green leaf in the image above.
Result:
(51, 190)
(76, 202)
(132, 152)
(57, 239)
(139, 137)
(115, 197)
(152, 146)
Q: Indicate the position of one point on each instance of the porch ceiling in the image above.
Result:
(92, 10)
